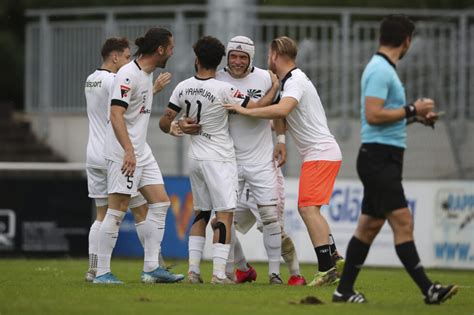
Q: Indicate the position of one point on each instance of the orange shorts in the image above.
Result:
(317, 182)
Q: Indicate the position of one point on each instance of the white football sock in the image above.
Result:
(239, 257)
(141, 230)
(195, 247)
(271, 237)
(94, 244)
(108, 234)
(272, 243)
(220, 253)
(229, 267)
(155, 229)
(288, 252)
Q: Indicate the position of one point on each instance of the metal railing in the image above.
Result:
(335, 44)
(63, 45)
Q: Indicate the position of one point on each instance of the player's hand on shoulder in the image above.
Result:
(163, 80)
(189, 126)
(424, 106)
(274, 78)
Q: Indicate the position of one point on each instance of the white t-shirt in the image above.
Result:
(307, 122)
(202, 99)
(97, 91)
(132, 89)
(252, 136)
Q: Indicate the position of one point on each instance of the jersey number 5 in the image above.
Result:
(188, 108)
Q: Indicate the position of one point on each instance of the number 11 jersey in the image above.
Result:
(202, 100)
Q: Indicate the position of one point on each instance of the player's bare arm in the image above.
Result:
(120, 130)
(163, 80)
(279, 151)
(376, 114)
(169, 125)
(280, 110)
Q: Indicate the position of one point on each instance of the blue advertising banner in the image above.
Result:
(178, 223)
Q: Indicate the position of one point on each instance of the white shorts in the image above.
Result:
(213, 184)
(149, 174)
(262, 180)
(97, 185)
(246, 213)
(97, 182)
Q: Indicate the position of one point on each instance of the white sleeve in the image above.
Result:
(291, 89)
(174, 102)
(122, 89)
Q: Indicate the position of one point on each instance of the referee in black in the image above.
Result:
(384, 116)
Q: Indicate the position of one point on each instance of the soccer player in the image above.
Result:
(255, 159)
(131, 166)
(384, 115)
(213, 171)
(115, 53)
(306, 119)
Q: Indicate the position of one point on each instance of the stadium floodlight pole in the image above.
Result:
(45, 99)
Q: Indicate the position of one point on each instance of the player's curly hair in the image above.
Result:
(209, 51)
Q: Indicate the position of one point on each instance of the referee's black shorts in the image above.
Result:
(380, 169)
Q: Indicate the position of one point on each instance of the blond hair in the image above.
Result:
(284, 46)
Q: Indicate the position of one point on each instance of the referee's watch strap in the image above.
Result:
(410, 110)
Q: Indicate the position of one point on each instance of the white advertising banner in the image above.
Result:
(443, 216)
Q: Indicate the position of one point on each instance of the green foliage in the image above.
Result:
(57, 287)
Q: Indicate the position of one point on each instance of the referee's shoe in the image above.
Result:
(438, 293)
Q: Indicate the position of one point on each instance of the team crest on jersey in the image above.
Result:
(124, 90)
(253, 93)
(237, 93)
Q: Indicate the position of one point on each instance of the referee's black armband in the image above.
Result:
(410, 110)
(245, 102)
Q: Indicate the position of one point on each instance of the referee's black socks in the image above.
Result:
(411, 261)
(355, 256)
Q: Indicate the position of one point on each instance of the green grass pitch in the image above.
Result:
(45, 286)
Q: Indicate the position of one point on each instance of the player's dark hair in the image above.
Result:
(395, 29)
(114, 44)
(209, 51)
(154, 38)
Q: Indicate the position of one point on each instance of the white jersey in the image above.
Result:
(202, 100)
(307, 122)
(252, 136)
(97, 91)
(132, 89)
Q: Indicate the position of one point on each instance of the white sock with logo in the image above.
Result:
(220, 253)
(108, 234)
(155, 230)
(195, 247)
(94, 244)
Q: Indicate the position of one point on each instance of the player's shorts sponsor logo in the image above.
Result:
(124, 90)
